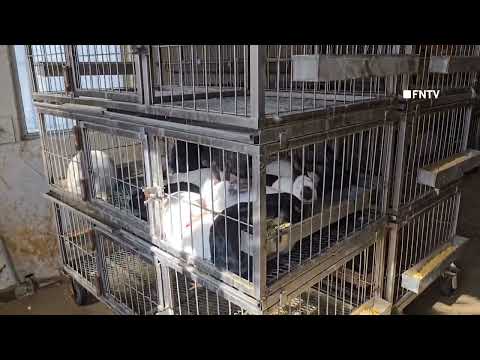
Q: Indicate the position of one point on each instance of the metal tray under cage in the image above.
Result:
(428, 227)
(115, 271)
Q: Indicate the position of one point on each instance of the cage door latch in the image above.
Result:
(151, 193)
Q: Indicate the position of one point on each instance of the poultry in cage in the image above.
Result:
(102, 170)
(190, 215)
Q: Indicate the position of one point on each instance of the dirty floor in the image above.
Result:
(52, 300)
(56, 299)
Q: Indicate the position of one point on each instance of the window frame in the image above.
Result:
(25, 134)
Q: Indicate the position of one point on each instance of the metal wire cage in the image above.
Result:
(415, 238)
(255, 216)
(47, 64)
(424, 138)
(241, 85)
(111, 268)
(247, 85)
(106, 71)
(353, 282)
(186, 294)
(448, 68)
(253, 212)
(97, 164)
(339, 289)
(254, 85)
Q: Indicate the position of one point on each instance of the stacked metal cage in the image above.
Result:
(235, 179)
(432, 154)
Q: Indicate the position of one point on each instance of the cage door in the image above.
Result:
(107, 71)
(117, 170)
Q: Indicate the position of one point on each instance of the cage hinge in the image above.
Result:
(68, 76)
(77, 131)
(283, 138)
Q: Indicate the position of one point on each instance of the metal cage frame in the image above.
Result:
(369, 256)
(405, 158)
(149, 96)
(259, 147)
(433, 208)
(390, 65)
(119, 272)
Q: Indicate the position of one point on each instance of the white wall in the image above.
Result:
(26, 225)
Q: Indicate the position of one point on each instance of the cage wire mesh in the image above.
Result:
(104, 68)
(130, 279)
(114, 162)
(344, 289)
(47, 68)
(216, 78)
(126, 277)
(192, 297)
(108, 68)
(76, 245)
(426, 80)
(430, 136)
(421, 235)
(352, 283)
(62, 159)
(317, 195)
(117, 170)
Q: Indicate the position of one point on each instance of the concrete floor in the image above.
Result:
(56, 299)
(52, 300)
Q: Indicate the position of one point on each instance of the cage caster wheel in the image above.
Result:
(79, 294)
(450, 281)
